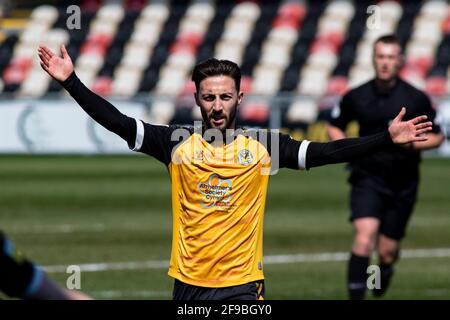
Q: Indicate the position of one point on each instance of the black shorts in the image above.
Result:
(392, 207)
(248, 291)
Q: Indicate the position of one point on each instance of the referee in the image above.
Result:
(384, 184)
(220, 175)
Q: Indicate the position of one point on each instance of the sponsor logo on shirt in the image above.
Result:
(216, 192)
(245, 157)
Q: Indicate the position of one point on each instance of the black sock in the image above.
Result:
(357, 276)
(386, 268)
(386, 273)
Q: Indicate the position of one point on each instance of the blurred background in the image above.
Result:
(297, 57)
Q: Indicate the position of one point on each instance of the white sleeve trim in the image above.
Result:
(139, 135)
(302, 154)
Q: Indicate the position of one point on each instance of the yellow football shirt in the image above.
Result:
(218, 199)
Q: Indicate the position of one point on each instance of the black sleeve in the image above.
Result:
(158, 140)
(283, 150)
(345, 150)
(289, 152)
(343, 113)
(427, 109)
(101, 110)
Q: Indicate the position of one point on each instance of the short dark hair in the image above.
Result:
(389, 39)
(215, 67)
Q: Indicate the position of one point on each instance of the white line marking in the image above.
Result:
(107, 266)
(60, 228)
(278, 259)
(111, 294)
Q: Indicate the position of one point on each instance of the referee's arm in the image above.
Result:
(342, 115)
(434, 141)
(334, 133)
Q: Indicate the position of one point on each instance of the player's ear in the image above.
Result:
(402, 60)
(196, 98)
(240, 97)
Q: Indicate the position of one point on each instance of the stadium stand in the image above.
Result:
(309, 50)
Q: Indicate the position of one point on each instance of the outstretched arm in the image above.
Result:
(345, 150)
(103, 112)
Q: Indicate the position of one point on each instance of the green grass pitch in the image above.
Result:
(78, 210)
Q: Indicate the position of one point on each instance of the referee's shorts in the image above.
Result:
(392, 207)
(248, 291)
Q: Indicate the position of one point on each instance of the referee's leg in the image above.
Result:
(399, 209)
(366, 206)
(388, 253)
(366, 230)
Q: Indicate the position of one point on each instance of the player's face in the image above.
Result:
(218, 100)
(387, 60)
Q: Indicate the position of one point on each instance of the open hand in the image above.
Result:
(59, 68)
(409, 131)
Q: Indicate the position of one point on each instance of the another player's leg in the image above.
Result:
(366, 230)
(388, 252)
